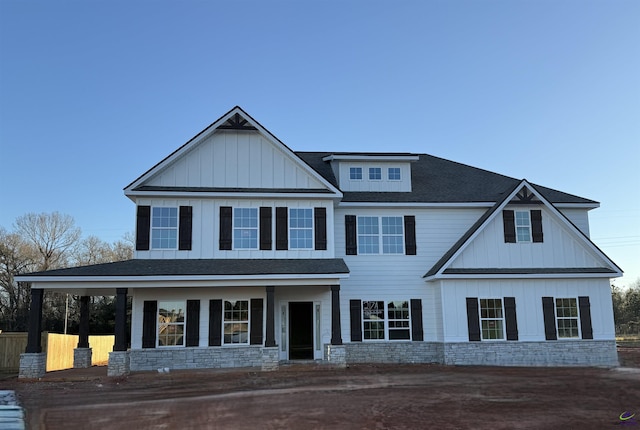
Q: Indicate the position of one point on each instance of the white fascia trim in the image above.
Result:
(185, 278)
(524, 276)
(234, 195)
(371, 157)
(416, 205)
(577, 205)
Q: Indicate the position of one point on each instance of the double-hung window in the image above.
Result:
(491, 319)
(236, 322)
(301, 228)
(245, 228)
(164, 228)
(377, 234)
(171, 323)
(386, 320)
(523, 226)
(567, 317)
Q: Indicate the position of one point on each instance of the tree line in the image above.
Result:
(48, 241)
(626, 308)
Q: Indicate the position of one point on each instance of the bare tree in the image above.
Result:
(16, 257)
(52, 234)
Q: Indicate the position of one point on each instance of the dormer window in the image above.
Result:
(523, 226)
(375, 174)
(355, 173)
(394, 173)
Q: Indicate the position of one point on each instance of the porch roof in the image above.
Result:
(196, 267)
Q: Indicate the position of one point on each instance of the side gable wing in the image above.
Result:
(233, 154)
(556, 246)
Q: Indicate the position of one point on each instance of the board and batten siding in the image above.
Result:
(528, 295)
(206, 229)
(561, 247)
(400, 277)
(579, 217)
(236, 159)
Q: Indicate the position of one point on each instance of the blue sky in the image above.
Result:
(92, 94)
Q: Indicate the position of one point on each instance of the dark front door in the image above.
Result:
(301, 331)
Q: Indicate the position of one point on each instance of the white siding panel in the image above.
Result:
(579, 217)
(561, 248)
(233, 159)
(528, 295)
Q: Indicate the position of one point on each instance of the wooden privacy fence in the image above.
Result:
(59, 348)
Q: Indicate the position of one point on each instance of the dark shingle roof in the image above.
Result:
(436, 180)
(215, 267)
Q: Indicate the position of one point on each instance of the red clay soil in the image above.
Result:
(359, 397)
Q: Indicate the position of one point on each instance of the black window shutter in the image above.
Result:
(265, 229)
(225, 228)
(585, 317)
(149, 318)
(410, 235)
(416, 320)
(473, 319)
(508, 219)
(255, 331)
(320, 228)
(143, 227)
(536, 225)
(355, 311)
(350, 235)
(510, 318)
(215, 322)
(193, 322)
(549, 313)
(184, 234)
(282, 231)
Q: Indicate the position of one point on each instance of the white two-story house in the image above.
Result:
(251, 254)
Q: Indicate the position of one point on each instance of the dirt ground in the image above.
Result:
(318, 396)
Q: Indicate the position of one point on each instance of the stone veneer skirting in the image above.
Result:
(394, 352)
(548, 353)
(545, 353)
(199, 358)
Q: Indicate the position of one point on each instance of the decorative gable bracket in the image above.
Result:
(236, 122)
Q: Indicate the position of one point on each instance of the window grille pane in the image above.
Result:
(245, 228)
(171, 317)
(164, 228)
(355, 173)
(375, 173)
(394, 173)
(301, 228)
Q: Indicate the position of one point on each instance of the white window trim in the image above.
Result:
(577, 318)
(233, 230)
(361, 174)
(389, 176)
(183, 324)
(385, 320)
(504, 322)
(515, 222)
(248, 342)
(380, 235)
(177, 228)
(312, 228)
(369, 174)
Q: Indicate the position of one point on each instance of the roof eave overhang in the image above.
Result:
(372, 157)
(132, 194)
(439, 277)
(62, 282)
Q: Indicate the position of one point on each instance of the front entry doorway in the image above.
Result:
(300, 330)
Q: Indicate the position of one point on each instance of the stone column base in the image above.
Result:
(82, 358)
(119, 363)
(270, 359)
(33, 365)
(337, 355)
